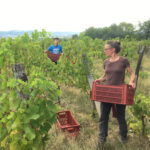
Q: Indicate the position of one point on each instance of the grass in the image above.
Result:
(80, 105)
(144, 81)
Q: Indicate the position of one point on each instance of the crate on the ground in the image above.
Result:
(67, 123)
(121, 94)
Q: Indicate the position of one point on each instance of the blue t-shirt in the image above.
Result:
(55, 49)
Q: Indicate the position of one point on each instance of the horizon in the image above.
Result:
(36, 29)
(26, 30)
(15, 33)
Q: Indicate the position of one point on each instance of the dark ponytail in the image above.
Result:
(115, 44)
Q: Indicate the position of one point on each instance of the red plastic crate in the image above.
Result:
(52, 56)
(121, 94)
(66, 122)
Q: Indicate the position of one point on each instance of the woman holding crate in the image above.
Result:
(114, 74)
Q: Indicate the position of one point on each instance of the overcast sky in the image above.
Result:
(70, 15)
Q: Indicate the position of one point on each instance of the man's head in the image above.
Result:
(56, 40)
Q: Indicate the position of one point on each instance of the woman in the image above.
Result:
(114, 74)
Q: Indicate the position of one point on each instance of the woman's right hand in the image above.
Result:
(101, 79)
(98, 80)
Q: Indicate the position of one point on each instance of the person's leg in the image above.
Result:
(121, 120)
(103, 122)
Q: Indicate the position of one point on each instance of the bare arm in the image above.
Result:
(132, 77)
(102, 78)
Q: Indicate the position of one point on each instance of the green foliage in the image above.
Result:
(113, 31)
(144, 29)
(141, 112)
(141, 106)
(35, 35)
(122, 30)
(24, 124)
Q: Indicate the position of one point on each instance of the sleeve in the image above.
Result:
(126, 63)
(50, 48)
(61, 49)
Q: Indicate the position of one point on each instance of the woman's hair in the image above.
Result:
(115, 44)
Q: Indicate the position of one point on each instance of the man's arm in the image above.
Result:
(49, 49)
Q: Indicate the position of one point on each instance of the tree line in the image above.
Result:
(142, 31)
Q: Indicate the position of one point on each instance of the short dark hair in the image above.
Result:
(115, 44)
(56, 38)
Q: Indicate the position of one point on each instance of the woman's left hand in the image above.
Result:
(132, 84)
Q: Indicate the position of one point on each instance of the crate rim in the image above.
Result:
(77, 124)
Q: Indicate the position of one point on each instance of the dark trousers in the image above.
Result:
(103, 122)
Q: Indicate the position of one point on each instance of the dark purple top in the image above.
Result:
(115, 71)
